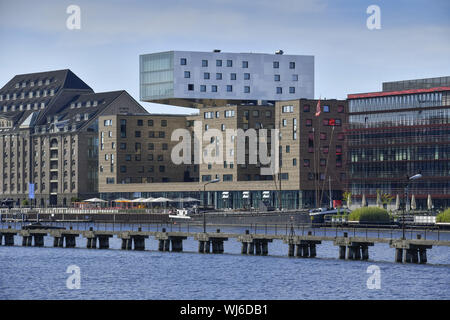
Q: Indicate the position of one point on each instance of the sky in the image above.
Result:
(413, 40)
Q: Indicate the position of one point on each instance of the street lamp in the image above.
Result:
(409, 179)
(204, 195)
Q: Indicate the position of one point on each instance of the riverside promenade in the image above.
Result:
(302, 240)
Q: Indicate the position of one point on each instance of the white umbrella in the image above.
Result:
(95, 200)
(429, 202)
(121, 200)
(189, 199)
(162, 199)
(148, 200)
(379, 204)
(397, 202)
(413, 203)
(138, 200)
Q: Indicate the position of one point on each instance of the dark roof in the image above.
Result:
(37, 92)
(58, 99)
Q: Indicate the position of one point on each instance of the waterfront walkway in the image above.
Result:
(302, 241)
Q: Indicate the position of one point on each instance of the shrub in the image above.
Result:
(443, 216)
(369, 214)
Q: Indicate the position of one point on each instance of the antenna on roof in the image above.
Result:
(279, 52)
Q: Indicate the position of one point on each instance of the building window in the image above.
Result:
(206, 75)
(137, 134)
(218, 76)
(187, 74)
(229, 88)
(306, 108)
(340, 109)
(288, 109)
(227, 177)
(255, 113)
(123, 146)
(217, 114)
(284, 122)
(202, 88)
(232, 76)
(326, 108)
(294, 162)
(308, 122)
(183, 61)
(244, 64)
(276, 77)
(213, 88)
(218, 63)
(222, 127)
(128, 157)
(276, 64)
(288, 149)
(190, 87)
(140, 123)
(323, 136)
(306, 162)
(229, 63)
(162, 168)
(246, 89)
(150, 146)
(162, 134)
(150, 123)
(229, 113)
(123, 169)
(206, 177)
(163, 123)
(165, 146)
(291, 89)
(204, 63)
(323, 162)
(246, 76)
(151, 134)
(291, 65)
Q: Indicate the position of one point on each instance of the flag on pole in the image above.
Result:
(318, 108)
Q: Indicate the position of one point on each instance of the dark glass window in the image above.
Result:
(183, 61)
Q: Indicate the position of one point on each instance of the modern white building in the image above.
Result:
(192, 79)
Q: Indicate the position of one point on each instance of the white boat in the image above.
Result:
(181, 214)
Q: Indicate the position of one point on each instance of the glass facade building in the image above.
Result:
(156, 76)
(395, 134)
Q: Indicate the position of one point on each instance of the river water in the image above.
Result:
(40, 273)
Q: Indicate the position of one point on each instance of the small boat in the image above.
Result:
(181, 214)
(38, 225)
